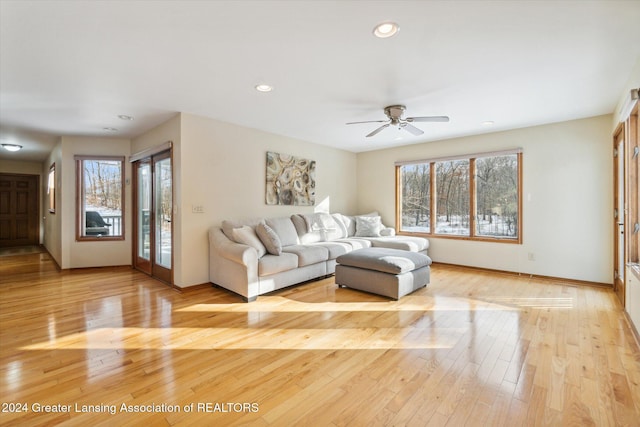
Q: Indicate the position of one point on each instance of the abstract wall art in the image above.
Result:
(290, 180)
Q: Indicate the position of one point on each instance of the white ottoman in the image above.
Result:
(388, 272)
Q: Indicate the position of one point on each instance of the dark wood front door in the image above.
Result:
(18, 210)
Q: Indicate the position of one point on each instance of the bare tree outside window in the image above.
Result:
(452, 205)
(416, 193)
(100, 187)
(435, 197)
(497, 196)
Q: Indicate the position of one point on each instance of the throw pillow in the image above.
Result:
(285, 230)
(247, 236)
(319, 221)
(269, 238)
(341, 230)
(350, 222)
(368, 226)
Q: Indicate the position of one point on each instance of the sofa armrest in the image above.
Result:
(232, 265)
(237, 252)
(388, 231)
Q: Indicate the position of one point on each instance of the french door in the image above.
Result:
(153, 209)
(619, 210)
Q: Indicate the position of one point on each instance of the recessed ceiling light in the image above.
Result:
(264, 88)
(125, 117)
(386, 29)
(110, 129)
(488, 123)
(12, 147)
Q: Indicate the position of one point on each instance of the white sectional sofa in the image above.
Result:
(254, 256)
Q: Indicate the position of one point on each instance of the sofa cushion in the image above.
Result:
(356, 243)
(307, 254)
(304, 235)
(368, 226)
(285, 230)
(393, 261)
(335, 248)
(407, 243)
(246, 235)
(319, 221)
(269, 238)
(272, 264)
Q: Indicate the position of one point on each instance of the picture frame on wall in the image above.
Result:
(290, 180)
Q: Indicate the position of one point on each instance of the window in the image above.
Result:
(100, 190)
(51, 188)
(497, 196)
(416, 194)
(452, 202)
(472, 197)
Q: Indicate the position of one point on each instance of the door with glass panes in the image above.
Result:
(153, 210)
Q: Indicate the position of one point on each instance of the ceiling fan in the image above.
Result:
(394, 113)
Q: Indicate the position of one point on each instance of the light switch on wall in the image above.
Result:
(197, 208)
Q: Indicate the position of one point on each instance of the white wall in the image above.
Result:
(171, 130)
(18, 167)
(52, 235)
(567, 187)
(632, 83)
(223, 169)
(88, 253)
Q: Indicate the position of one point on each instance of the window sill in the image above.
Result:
(99, 239)
(458, 237)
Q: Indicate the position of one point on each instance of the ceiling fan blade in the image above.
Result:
(368, 121)
(412, 129)
(428, 119)
(378, 130)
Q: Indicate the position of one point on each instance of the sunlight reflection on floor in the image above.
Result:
(256, 338)
(408, 303)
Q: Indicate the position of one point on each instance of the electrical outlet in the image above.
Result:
(531, 256)
(197, 208)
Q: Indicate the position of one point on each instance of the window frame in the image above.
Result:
(633, 185)
(80, 196)
(472, 198)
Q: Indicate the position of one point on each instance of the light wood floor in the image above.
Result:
(474, 348)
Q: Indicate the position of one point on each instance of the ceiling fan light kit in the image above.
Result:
(395, 113)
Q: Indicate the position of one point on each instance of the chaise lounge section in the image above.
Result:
(255, 256)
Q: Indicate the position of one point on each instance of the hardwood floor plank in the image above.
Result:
(473, 348)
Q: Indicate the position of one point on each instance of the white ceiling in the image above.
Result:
(71, 67)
